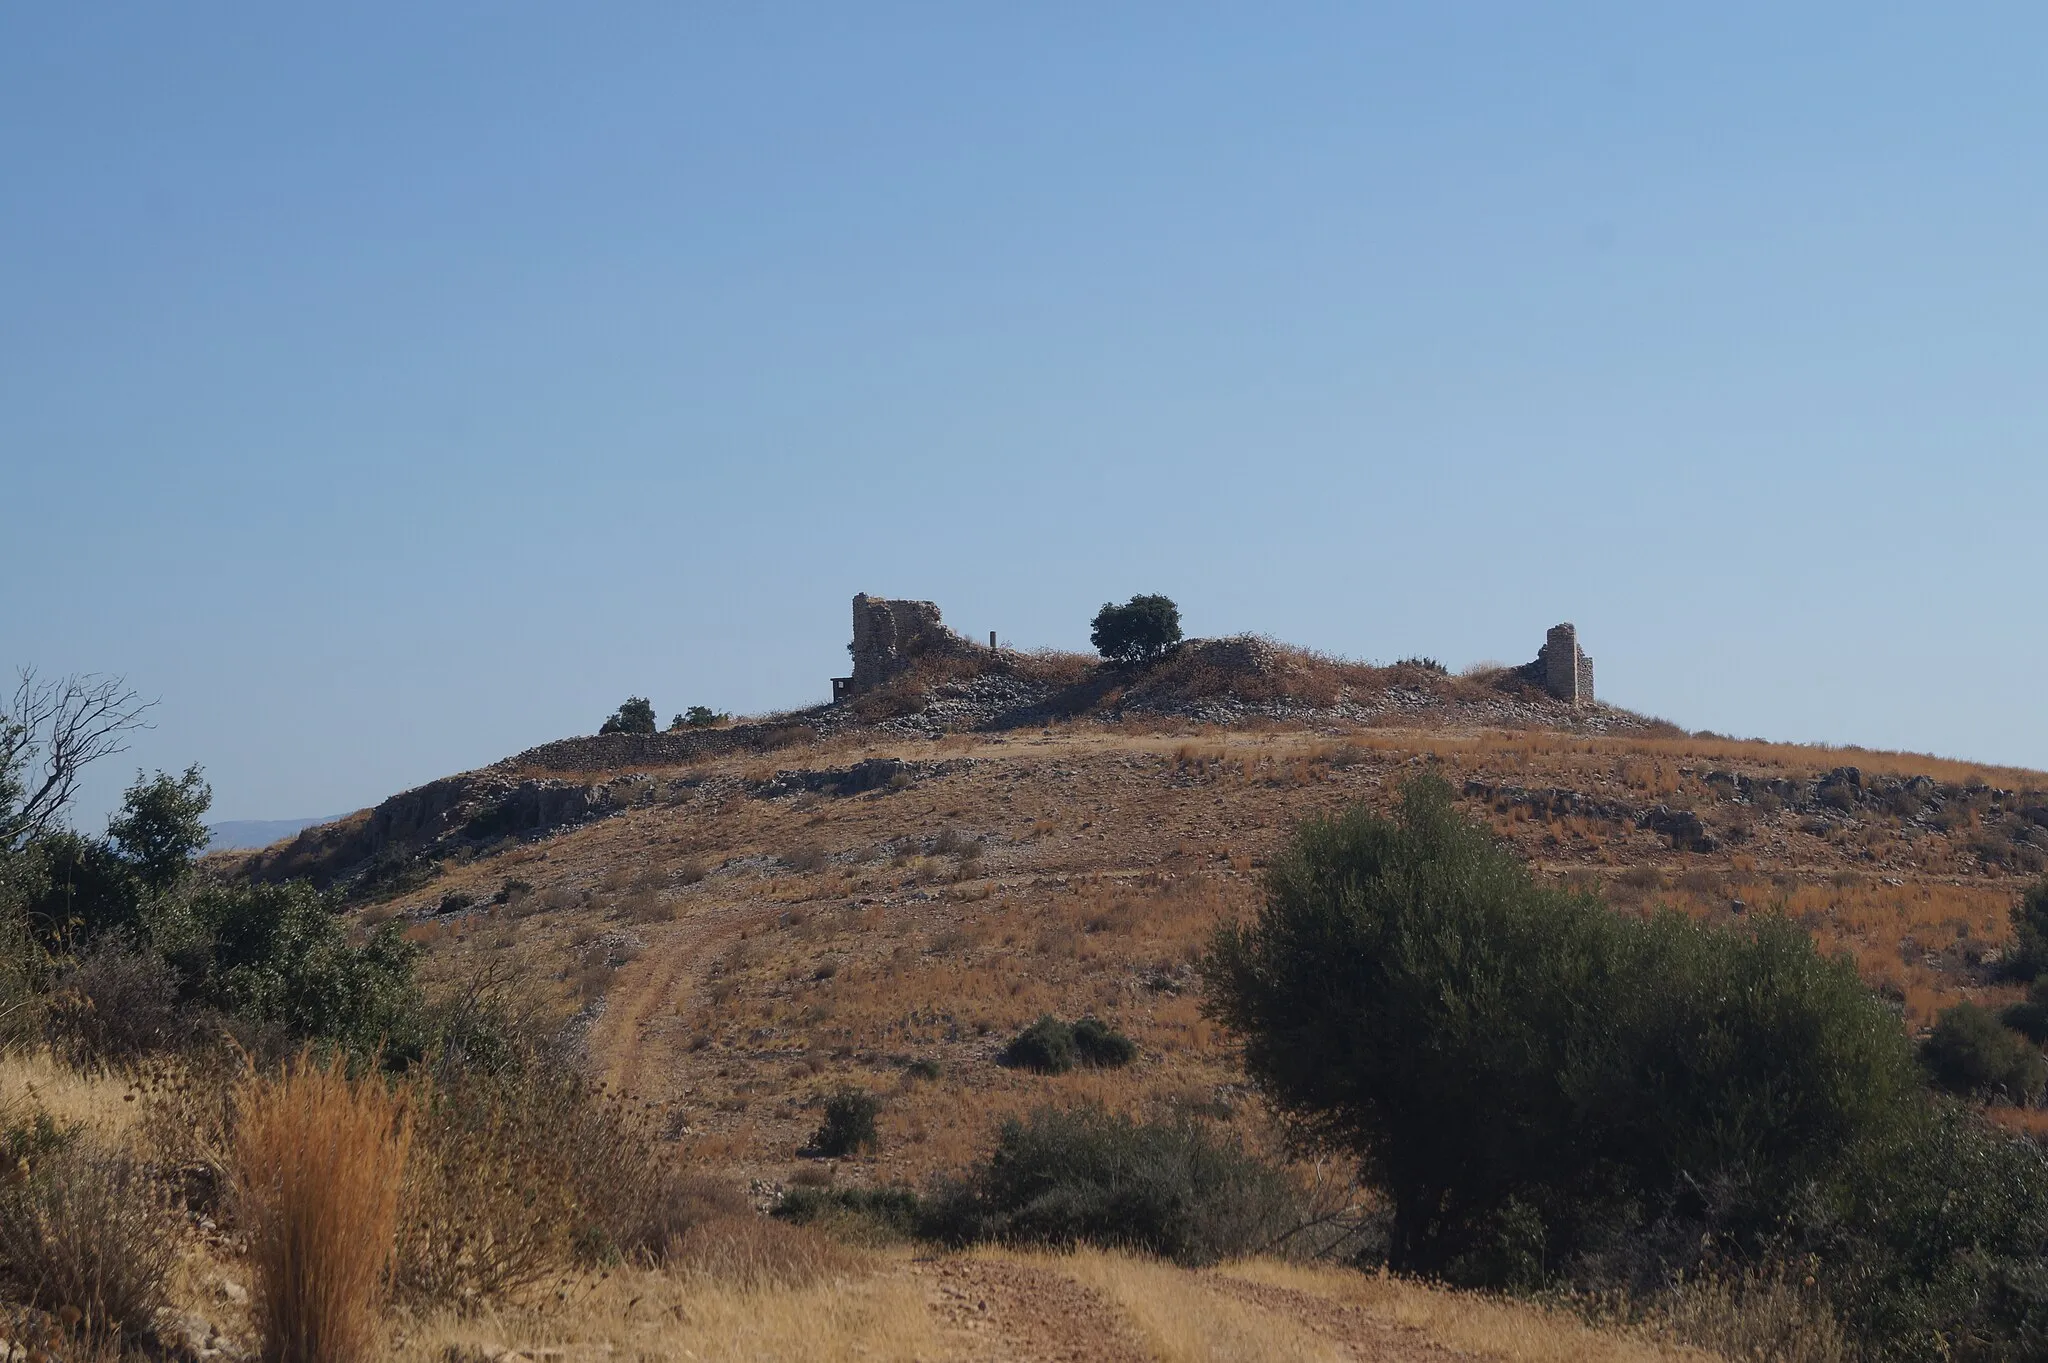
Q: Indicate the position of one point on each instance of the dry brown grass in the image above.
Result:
(100, 1103)
(319, 1163)
(1180, 1319)
(854, 1316)
(1491, 1327)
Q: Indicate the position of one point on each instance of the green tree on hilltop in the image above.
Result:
(1142, 630)
(636, 716)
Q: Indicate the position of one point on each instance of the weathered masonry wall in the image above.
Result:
(887, 636)
(1565, 668)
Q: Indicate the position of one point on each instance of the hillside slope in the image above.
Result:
(741, 926)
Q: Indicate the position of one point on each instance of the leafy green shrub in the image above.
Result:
(1531, 1076)
(1097, 1044)
(82, 890)
(279, 956)
(1050, 1046)
(849, 1123)
(1085, 1175)
(1142, 630)
(1547, 1091)
(894, 1213)
(1972, 1052)
(922, 1068)
(1046, 1046)
(635, 716)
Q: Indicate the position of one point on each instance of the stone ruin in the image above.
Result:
(1563, 668)
(888, 636)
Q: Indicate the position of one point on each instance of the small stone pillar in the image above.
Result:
(1561, 662)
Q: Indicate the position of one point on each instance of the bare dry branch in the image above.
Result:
(50, 733)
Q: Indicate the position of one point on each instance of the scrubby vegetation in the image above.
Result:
(1050, 1046)
(849, 1125)
(1972, 1052)
(699, 717)
(293, 1077)
(1552, 1093)
(1706, 1128)
(1174, 1187)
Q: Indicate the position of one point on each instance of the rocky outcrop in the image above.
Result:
(1685, 830)
(416, 827)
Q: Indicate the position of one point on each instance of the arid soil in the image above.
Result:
(741, 940)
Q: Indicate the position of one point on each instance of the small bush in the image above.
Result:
(1050, 1046)
(855, 1213)
(319, 1163)
(1972, 1052)
(922, 1068)
(699, 717)
(1046, 1046)
(1173, 1188)
(849, 1123)
(86, 1229)
(1097, 1044)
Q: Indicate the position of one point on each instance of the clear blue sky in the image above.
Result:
(391, 387)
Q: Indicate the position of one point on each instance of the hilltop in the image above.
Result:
(882, 891)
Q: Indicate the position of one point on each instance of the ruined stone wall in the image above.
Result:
(888, 635)
(1565, 669)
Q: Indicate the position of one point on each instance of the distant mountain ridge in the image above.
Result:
(235, 834)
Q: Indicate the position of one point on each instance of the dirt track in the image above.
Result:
(1001, 1310)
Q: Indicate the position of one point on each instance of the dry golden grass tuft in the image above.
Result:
(319, 1162)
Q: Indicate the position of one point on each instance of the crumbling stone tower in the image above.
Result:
(887, 636)
(1567, 670)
